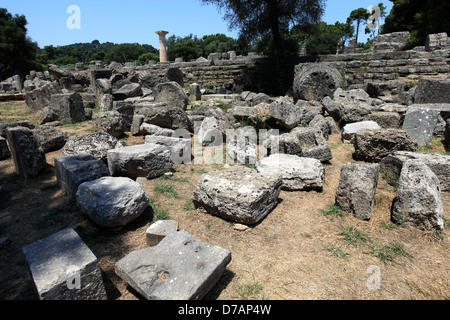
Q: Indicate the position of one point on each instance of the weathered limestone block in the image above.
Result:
(40, 97)
(112, 202)
(396, 41)
(49, 138)
(4, 150)
(436, 41)
(297, 173)
(68, 107)
(349, 130)
(431, 90)
(64, 268)
(145, 160)
(386, 120)
(373, 145)
(316, 81)
(71, 171)
(28, 156)
(238, 194)
(418, 202)
(357, 188)
(159, 230)
(438, 163)
(180, 267)
(110, 122)
(96, 144)
(6, 125)
(163, 115)
(172, 94)
(285, 113)
(420, 124)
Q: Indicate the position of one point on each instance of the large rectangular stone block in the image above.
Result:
(180, 267)
(64, 268)
(71, 171)
(28, 156)
(145, 160)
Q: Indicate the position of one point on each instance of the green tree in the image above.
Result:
(187, 47)
(17, 51)
(125, 52)
(322, 38)
(419, 17)
(358, 16)
(217, 43)
(268, 22)
(146, 57)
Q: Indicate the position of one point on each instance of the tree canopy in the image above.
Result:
(419, 17)
(17, 51)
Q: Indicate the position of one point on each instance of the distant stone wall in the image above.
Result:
(214, 74)
(359, 68)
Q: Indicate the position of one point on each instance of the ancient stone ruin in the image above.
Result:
(385, 104)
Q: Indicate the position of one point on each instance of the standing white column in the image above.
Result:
(162, 45)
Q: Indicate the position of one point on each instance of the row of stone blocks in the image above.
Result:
(176, 266)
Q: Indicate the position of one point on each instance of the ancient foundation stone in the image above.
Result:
(144, 160)
(71, 171)
(418, 203)
(112, 202)
(297, 173)
(420, 124)
(180, 267)
(316, 81)
(238, 194)
(28, 156)
(64, 268)
(357, 188)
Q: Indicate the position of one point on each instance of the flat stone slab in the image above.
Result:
(148, 160)
(297, 173)
(420, 124)
(180, 267)
(64, 268)
(71, 171)
(159, 230)
(239, 194)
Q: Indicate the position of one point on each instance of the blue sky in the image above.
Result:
(137, 20)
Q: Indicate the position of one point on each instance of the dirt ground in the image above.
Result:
(298, 252)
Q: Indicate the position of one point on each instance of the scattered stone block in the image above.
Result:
(68, 107)
(438, 163)
(71, 171)
(297, 173)
(315, 82)
(349, 130)
(28, 156)
(178, 146)
(4, 150)
(49, 138)
(418, 202)
(159, 230)
(96, 144)
(395, 41)
(151, 129)
(194, 92)
(357, 188)
(144, 160)
(172, 94)
(332, 108)
(6, 125)
(431, 90)
(373, 145)
(64, 268)
(386, 120)
(420, 124)
(238, 194)
(40, 97)
(285, 113)
(112, 202)
(166, 116)
(436, 41)
(128, 90)
(180, 267)
(110, 122)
